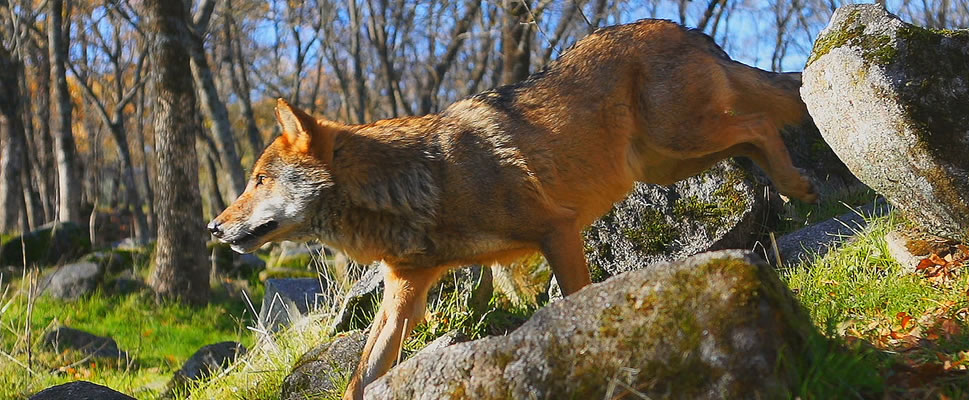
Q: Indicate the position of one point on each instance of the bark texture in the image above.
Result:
(14, 143)
(69, 186)
(180, 266)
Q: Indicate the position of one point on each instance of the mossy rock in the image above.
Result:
(718, 209)
(716, 325)
(50, 244)
(891, 99)
(318, 373)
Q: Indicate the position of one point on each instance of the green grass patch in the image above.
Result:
(799, 214)
(158, 338)
(909, 324)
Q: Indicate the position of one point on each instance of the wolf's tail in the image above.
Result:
(775, 94)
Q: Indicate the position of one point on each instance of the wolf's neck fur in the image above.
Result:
(383, 207)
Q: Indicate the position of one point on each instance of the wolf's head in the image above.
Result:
(288, 183)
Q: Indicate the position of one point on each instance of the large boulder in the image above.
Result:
(891, 99)
(48, 245)
(71, 281)
(718, 209)
(716, 325)
(80, 390)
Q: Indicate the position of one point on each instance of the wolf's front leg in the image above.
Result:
(402, 308)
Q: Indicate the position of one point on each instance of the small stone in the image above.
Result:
(318, 371)
(206, 361)
(909, 247)
(80, 390)
(71, 281)
(287, 299)
(64, 338)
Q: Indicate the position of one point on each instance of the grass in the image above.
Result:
(902, 324)
(158, 338)
(886, 333)
(799, 214)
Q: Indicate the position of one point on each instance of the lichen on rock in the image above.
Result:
(891, 99)
(717, 325)
(714, 210)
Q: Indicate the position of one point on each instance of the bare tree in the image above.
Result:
(123, 95)
(69, 194)
(180, 260)
(212, 104)
(14, 146)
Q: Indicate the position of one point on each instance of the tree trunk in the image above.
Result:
(69, 193)
(180, 265)
(516, 41)
(14, 143)
(355, 50)
(218, 116)
(241, 87)
(131, 188)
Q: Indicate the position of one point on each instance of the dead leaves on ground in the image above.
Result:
(942, 270)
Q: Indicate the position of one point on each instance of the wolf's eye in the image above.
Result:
(260, 179)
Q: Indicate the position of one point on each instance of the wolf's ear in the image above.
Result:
(305, 133)
(293, 121)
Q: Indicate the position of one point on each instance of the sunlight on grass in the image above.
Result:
(158, 337)
(860, 295)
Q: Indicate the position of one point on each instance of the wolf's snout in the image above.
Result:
(215, 229)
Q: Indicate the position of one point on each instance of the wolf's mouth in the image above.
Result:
(260, 230)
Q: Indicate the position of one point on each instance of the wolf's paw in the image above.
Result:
(805, 191)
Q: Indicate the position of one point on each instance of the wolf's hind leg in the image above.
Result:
(402, 308)
(563, 248)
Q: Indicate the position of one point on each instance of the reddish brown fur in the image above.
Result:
(524, 168)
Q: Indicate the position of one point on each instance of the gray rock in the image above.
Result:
(80, 390)
(287, 299)
(318, 371)
(116, 261)
(48, 245)
(205, 362)
(127, 283)
(819, 238)
(891, 98)
(71, 281)
(64, 338)
(361, 302)
(717, 325)
(448, 339)
(718, 209)
(895, 243)
(473, 284)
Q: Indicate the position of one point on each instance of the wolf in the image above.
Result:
(514, 170)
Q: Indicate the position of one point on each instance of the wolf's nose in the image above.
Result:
(215, 229)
